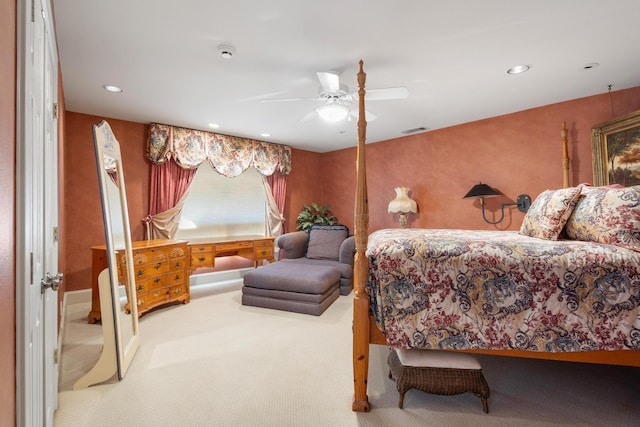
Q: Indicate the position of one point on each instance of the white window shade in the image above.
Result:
(218, 206)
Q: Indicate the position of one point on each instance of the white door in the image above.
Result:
(36, 215)
(50, 211)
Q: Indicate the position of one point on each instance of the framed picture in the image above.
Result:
(616, 151)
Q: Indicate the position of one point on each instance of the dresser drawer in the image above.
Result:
(203, 249)
(152, 299)
(175, 264)
(264, 243)
(149, 256)
(231, 246)
(178, 290)
(263, 252)
(177, 252)
(143, 272)
(174, 278)
(202, 260)
(144, 286)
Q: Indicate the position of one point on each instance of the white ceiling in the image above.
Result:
(451, 55)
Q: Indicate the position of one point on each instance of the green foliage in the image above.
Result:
(314, 214)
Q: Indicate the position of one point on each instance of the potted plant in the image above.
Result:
(314, 214)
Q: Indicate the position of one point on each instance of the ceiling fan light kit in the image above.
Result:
(333, 112)
(337, 98)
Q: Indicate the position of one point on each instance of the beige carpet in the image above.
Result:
(214, 362)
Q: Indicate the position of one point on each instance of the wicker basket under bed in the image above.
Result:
(442, 381)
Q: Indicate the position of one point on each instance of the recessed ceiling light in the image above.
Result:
(265, 135)
(226, 51)
(518, 69)
(214, 125)
(111, 88)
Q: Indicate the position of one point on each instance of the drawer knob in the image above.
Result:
(139, 288)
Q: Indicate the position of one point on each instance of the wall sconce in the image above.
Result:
(403, 205)
(482, 191)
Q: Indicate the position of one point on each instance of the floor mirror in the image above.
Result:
(116, 283)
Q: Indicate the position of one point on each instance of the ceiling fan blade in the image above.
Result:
(310, 115)
(369, 117)
(387, 93)
(283, 99)
(329, 81)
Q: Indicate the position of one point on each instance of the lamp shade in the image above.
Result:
(402, 203)
(481, 190)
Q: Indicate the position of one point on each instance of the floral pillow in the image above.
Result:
(607, 215)
(549, 212)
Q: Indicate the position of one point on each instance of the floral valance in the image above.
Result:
(228, 155)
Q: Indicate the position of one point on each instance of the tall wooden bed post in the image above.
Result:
(565, 156)
(361, 265)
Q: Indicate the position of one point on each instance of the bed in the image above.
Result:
(564, 287)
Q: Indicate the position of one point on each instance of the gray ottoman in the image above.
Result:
(301, 288)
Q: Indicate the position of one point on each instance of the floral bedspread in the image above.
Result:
(457, 289)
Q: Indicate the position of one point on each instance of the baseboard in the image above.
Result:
(217, 282)
(218, 276)
(76, 297)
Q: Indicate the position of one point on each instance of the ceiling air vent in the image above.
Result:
(415, 130)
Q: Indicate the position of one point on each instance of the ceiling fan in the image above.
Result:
(337, 100)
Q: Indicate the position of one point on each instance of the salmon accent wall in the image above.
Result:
(7, 213)
(515, 153)
(82, 223)
(304, 184)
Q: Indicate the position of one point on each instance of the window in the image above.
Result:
(218, 206)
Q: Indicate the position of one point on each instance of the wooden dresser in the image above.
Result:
(204, 252)
(161, 270)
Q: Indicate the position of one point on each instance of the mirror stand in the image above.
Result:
(119, 323)
(106, 366)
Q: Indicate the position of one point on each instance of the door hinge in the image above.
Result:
(55, 110)
(55, 355)
(56, 234)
